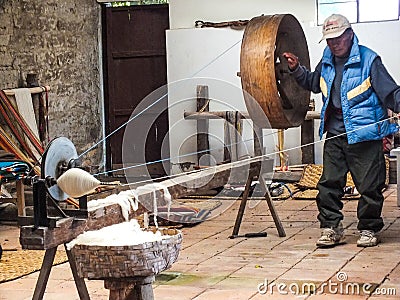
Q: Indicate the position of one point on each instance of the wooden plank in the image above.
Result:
(311, 115)
(34, 90)
(274, 214)
(69, 228)
(138, 53)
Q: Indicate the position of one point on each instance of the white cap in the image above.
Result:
(334, 26)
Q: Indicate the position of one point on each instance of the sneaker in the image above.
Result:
(368, 238)
(331, 237)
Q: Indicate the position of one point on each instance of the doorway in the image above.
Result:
(134, 66)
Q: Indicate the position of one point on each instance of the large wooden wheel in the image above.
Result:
(264, 71)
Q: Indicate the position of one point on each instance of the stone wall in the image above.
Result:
(58, 40)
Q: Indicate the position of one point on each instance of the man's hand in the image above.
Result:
(292, 60)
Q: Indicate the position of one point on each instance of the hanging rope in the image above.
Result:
(237, 25)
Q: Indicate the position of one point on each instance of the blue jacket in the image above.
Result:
(363, 113)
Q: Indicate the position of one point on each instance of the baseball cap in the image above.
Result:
(334, 26)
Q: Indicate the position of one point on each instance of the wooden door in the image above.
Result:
(135, 66)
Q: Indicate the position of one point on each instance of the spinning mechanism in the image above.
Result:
(61, 178)
(59, 155)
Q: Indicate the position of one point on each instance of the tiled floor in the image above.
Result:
(212, 266)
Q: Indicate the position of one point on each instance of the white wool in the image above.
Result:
(77, 182)
(125, 199)
(122, 234)
(151, 187)
(129, 199)
(167, 196)
(133, 198)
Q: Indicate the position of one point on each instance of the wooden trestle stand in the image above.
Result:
(253, 174)
(45, 273)
(202, 116)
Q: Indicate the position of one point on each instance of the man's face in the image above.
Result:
(341, 45)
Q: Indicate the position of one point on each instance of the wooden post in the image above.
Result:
(281, 143)
(307, 137)
(20, 198)
(203, 144)
(130, 288)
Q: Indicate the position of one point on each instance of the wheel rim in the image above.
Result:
(264, 72)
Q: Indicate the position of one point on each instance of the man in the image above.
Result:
(356, 91)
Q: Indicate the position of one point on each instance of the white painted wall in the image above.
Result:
(183, 13)
(213, 55)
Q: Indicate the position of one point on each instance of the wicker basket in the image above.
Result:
(151, 258)
(312, 174)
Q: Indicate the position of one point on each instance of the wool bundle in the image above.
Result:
(76, 182)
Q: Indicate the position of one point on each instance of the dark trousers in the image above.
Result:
(366, 163)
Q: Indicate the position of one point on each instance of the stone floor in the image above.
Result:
(212, 266)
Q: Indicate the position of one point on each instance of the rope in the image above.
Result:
(195, 171)
(260, 156)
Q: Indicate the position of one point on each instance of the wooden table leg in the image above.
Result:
(79, 281)
(44, 273)
(242, 207)
(274, 214)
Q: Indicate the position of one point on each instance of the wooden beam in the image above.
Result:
(34, 90)
(20, 197)
(311, 115)
(67, 229)
(210, 115)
